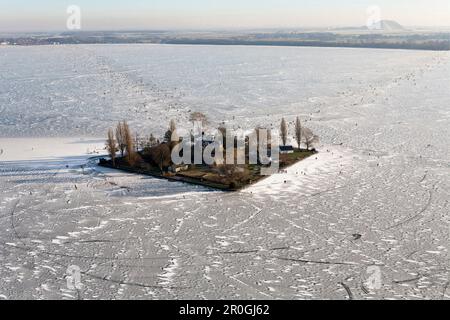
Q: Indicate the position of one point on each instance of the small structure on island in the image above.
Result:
(178, 168)
(207, 140)
(286, 149)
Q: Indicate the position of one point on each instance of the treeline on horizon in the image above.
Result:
(425, 45)
(435, 42)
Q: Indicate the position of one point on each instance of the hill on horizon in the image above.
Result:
(386, 25)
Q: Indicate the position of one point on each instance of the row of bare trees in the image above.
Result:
(122, 141)
(302, 134)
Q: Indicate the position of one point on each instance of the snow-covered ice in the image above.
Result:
(377, 194)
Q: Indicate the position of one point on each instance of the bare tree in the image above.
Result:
(198, 117)
(121, 137)
(172, 125)
(298, 132)
(170, 134)
(309, 138)
(111, 146)
(223, 131)
(129, 144)
(151, 140)
(284, 131)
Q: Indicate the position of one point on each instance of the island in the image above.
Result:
(234, 165)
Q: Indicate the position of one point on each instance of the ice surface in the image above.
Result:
(383, 172)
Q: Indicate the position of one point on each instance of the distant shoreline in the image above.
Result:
(253, 44)
(445, 47)
(404, 41)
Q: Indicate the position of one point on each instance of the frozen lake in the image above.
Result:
(377, 194)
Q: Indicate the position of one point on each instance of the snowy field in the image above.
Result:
(377, 194)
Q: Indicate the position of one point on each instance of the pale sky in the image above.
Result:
(51, 15)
